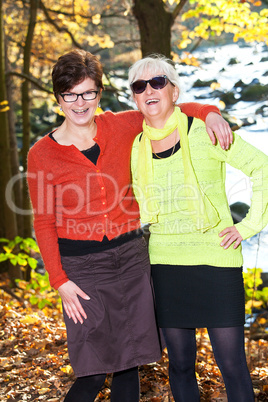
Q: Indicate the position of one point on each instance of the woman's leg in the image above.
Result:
(85, 389)
(181, 346)
(229, 351)
(126, 386)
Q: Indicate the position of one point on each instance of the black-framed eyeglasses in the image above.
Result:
(158, 82)
(87, 96)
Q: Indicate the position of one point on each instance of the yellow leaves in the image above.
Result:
(4, 106)
(215, 85)
(61, 17)
(8, 19)
(43, 391)
(264, 12)
(30, 319)
(222, 105)
(57, 110)
(67, 369)
(235, 17)
(184, 43)
(253, 303)
(262, 321)
(96, 19)
(103, 41)
(22, 284)
(186, 58)
(99, 110)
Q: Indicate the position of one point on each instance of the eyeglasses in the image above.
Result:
(158, 82)
(87, 96)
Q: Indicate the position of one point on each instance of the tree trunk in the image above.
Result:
(26, 114)
(155, 24)
(8, 227)
(14, 155)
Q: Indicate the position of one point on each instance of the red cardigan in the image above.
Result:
(73, 198)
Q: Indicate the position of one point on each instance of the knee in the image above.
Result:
(182, 367)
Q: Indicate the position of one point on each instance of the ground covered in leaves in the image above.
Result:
(34, 363)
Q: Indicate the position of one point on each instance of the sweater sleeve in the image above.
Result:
(42, 198)
(254, 164)
(198, 110)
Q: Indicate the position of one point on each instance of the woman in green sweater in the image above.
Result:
(194, 247)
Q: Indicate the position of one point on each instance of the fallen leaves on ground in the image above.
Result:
(35, 366)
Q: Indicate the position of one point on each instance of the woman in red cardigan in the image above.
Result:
(87, 226)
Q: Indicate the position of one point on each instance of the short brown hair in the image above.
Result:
(72, 68)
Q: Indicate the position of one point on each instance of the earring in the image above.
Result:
(99, 105)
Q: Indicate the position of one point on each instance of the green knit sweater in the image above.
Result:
(174, 239)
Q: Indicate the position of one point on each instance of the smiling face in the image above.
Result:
(156, 105)
(81, 112)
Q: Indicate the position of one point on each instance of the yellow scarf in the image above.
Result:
(204, 214)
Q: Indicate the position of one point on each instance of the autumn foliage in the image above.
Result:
(35, 364)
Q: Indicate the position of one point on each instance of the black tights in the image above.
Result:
(125, 387)
(229, 351)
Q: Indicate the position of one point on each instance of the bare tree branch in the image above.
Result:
(59, 29)
(31, 79)
(178, 8)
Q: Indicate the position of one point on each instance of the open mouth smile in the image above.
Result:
(80, 112)
(152, 101)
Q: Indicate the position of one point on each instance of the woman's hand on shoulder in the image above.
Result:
(217, 126)
(232, 236)
(69, 292)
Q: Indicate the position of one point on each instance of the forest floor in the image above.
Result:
(34, 362)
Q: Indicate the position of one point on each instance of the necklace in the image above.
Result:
(173, 149)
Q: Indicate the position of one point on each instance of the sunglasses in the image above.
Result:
(157, 82)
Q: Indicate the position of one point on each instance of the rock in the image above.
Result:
(229, 98)
(232, 61)
(255, 81)
(236, 123)
(200, 84)
(239, 211)
(254, 92)
(239, 84)
(263, 110)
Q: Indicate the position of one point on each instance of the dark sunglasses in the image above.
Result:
(157, 82)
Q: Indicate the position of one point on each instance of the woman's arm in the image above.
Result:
(216, 125)
(43, 200)
(254, 164)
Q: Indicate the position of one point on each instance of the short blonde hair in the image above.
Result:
(154, 64)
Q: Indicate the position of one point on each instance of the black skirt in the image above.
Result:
(198, 296)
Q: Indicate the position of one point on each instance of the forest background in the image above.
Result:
(33, 34)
